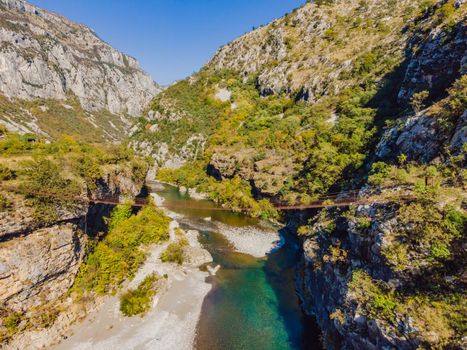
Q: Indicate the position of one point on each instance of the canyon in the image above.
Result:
(335, 99)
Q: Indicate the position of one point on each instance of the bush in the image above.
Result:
(5, 204)
(6, 173)
(12, 321)
(119, 214)
(175, 252)
(48, 191)
(118, 256)
(88, 167)
(440, 251)
(363, 223)
(418, 100)
(16, 144)
(138, 301)
(377, 301)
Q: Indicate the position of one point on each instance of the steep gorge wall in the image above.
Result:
(39, 262)
(360, 241)
(44, 56)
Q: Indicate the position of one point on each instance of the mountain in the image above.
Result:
(345, 100)
(315, 56)
(57, 76)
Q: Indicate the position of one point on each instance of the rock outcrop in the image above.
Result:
(267, 175)
(39, 261)
(305, 53)
(39, 268)
(45, 56)
(341, 244)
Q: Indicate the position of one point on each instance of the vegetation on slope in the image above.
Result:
(304, 120)
(321, 151)
(235, 193)
(437, 317)
(422, 246)
(53, 176)
(118, 255)
(56, 118)
(42, 182)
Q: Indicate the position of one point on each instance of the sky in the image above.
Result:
(171, 39)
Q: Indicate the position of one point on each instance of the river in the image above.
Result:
(253, 304)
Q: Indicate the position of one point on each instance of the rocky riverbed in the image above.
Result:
(171, 322)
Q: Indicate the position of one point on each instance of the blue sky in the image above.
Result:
(170, 38)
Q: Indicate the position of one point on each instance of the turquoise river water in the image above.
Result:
(253, 304)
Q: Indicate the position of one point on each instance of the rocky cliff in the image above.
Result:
(307, 55)
(46, 226)
(391, 275)
(46, 58)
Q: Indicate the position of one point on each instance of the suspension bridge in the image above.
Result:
(340, 199)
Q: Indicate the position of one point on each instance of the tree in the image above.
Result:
(418, 100)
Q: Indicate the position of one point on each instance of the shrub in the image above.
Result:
(440, 251)
(380, 172)
(377, 301)
(397, 255)
(118, 256)
(6, 173)
(363, 223)
(88, 167)
(418, 100)
(303, 230)
(138, 301)
(5, 204)
(12, 321)
(15, 143)
(119, 214)
(455, 221)
(365, 63)
(47, 190)
(175, 252)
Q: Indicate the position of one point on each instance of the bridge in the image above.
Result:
(341, 199)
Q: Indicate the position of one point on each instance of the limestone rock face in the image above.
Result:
(438, 62)
(421, 138)
(39, 260)
(40, 267)
(167, 158)
(44, 55)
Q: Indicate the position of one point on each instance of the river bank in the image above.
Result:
(252, 240)
(171, 322)
(253, 237)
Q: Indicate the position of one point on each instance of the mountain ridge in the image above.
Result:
(46, 56)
